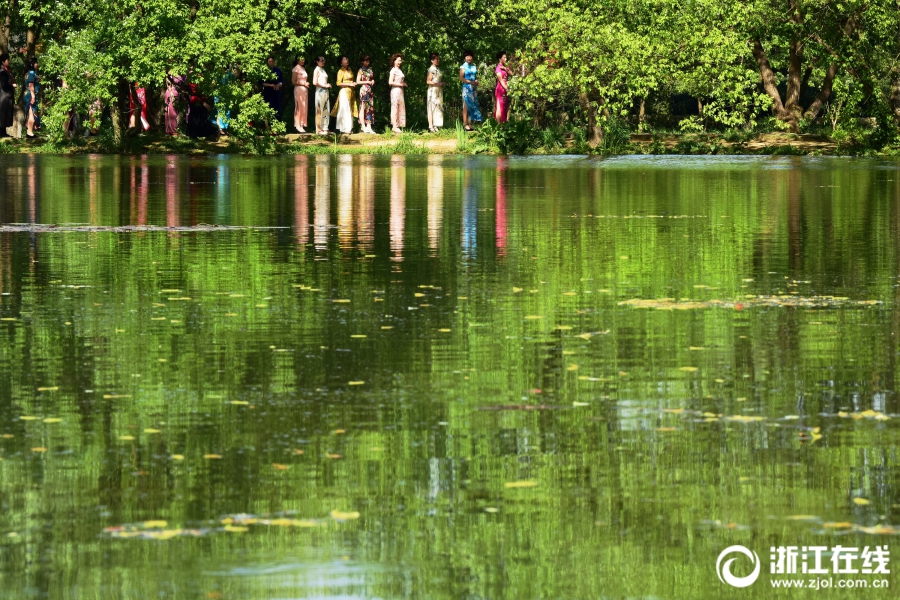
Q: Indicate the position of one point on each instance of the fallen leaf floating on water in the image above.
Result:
(578, 404)
(491, 509)
(745, 418)
(126, 438)
(860, 501)
(236, 528)
(28, 418)
(748, 302)
(332, 455)
(837, 525)
(158, 524)
(39, 449)
(115, 396)
(521, 407)
(520, 484)
(866, 414)
(148, 430)
(279, 467)
(358, 336)
(48, 389)
(177, 457)
(444, 330)
(212, 456)
(533, 317)
(355, 382)
(516, 290)
(239, 402)
(344, 516)
(688, 369)
(341, 301)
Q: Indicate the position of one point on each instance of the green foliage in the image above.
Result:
(513, 137)
(249, 125)
(616, 137)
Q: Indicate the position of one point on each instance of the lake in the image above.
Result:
(442, 377)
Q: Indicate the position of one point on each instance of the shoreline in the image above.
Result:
(443, 143)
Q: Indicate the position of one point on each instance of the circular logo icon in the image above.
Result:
(724, 570)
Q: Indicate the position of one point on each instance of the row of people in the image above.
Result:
(349, 106)
(30, 97)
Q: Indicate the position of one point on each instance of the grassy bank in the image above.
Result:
(490, 139)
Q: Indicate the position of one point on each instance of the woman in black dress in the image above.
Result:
(7, 94)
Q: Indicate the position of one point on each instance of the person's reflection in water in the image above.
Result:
(32, 189)
(345, 201)
(323, 201)
(435, 202)
(171, 193)
(223, 194)
(469, 216)
(398, 205)
(365, 212)
(500, 207)
(94, 189)
(301, 200)
(142, 192)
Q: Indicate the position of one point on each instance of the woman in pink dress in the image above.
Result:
(300, 79)
(501, 92)
(171, 98)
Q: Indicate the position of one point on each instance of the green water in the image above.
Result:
(404, 338)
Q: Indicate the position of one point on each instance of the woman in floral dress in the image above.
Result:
(468, 75)
(365, 79)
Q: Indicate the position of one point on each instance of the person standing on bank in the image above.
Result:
(435, 97)
(32, 91)
(501, 92)
(300, 80)
(468, 75)
(345, 108)
(396, 81)
(323, 104)
(7, 95)
(272, 88)
(365, 79)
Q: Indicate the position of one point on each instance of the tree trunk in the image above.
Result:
(824, 94)
(594, 129)
(4, 33)
(118, 111)
(30, 42)
(768, 81)
(895, 96)
(642, 115)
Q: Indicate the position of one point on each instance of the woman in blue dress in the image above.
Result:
(468, 75)
(32, 90)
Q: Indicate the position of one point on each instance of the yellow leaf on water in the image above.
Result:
(572, 368)
(837, 525)
(155, 524)
(580, 404)
(344, 516)
(444, 330)
(332, 455)
(177, 457)
(387, 327)
(570, 293)
(419, 295)
(860, 501)
(666, 429)
(584, 336)
(231, 314)
(239, 402)
(516, 290)
(115, 396)
(212, 456)
(564, 327)
(236, 528)
(39, 449)
(148, 430)
(279, 467)
(358, 336)
(802, 518)
(696, 348)
(28, 418)
(126, 438)
(520, 484)
(158, 318)
(341, 301)
(491, 509)
(52, 420)
(339, 431)
(533, 317)
(688, 369)
(48, 389)
(355, 382)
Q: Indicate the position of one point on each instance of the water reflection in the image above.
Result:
(321, 214)
(301, 200)
(365, 213)
(398, 206)
(345, 183)
(233, 413)
(435, 202)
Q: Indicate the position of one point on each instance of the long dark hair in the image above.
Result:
(394, 58)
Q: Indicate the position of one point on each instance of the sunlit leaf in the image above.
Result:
(344, 516)
(520, 484)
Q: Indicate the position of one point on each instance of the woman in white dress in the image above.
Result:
(397, 82)
(435, 97)
(323, 104)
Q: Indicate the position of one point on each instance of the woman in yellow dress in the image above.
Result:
(345, 108)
